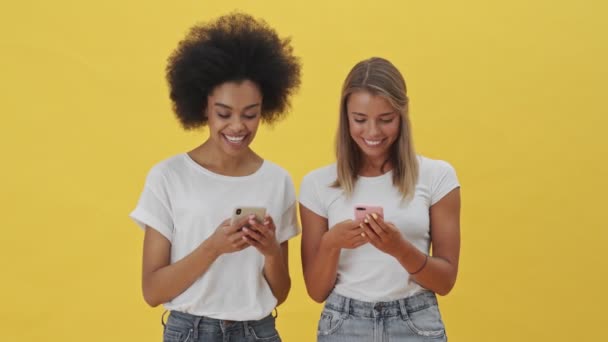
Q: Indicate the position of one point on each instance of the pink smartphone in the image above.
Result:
(363, 209)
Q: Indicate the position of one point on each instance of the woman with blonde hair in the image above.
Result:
(369, 220)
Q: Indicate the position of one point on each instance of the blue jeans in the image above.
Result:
(183, 327)
(415, 318)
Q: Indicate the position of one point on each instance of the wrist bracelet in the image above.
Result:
(426, 258)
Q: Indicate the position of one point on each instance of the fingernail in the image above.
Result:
(363, 234)
(245, 229)
(366, 221)
(374, 215)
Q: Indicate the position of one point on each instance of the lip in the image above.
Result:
(379, 142)
(235, 143)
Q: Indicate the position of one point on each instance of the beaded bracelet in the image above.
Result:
(426, 258)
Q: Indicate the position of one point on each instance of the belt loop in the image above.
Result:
(197, 321)
(347, 310)
(403, 308)
(275, 312)
(162, 319)
(246, 328)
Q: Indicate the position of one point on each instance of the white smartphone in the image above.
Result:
(240, 212)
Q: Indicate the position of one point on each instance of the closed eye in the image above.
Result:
(250, 116)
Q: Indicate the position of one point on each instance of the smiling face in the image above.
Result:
(234, 113)
(373, 124)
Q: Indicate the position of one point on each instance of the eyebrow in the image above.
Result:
(219, 104)
(383, 114)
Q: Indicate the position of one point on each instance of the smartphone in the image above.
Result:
(240, 212)
(363, 209)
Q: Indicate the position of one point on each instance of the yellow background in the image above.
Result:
(512, 93)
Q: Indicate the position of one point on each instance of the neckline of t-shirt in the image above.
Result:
(208, 172)
(387, 174)
(374, 179)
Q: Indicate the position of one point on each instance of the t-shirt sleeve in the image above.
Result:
(288, 222)
(444, 181)
(309, 196)
(153, 208)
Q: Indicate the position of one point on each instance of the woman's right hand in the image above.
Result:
(346, 234)
(228, 238)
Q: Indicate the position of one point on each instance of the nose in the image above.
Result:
(373, 128)
(237, 125)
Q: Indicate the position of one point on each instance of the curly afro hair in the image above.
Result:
(235, 47)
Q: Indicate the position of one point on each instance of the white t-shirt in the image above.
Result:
(366, 273)
(186, 203)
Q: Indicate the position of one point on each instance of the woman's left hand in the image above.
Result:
(262, 236)
(383, 235)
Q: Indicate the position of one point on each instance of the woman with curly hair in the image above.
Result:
(221, 279)
(370, 219)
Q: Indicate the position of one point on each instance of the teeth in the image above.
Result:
(372, 142)
(234, 139)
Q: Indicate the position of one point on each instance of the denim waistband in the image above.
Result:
(400, 307)
(201, 323)
(182, 316)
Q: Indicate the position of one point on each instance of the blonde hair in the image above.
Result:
(381, 78)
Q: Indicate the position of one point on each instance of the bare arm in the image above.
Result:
(321, 251)
(276, 256)
(276, 272)
(439, 273)
(163, 281)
